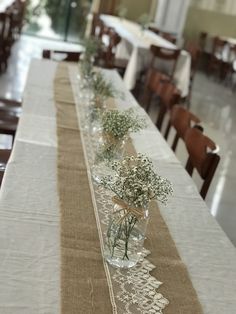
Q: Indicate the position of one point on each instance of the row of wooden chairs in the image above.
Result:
(11, 22)
(221, 59)
(201, 150)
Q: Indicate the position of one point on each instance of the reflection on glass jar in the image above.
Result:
(125, 236)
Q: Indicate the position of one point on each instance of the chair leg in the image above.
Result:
(161, 116)
(167, 130)
(189, 167)
(175, 142)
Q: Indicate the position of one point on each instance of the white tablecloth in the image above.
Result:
(135, 46)
(29, 212)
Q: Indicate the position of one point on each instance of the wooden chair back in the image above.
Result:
(181, 119)
(202, 40)
(166, 55)
(97, 26)
(202, 156)
(169, 96)
(4, 157)
(108, 51)
(153, 85)
(62, 55)
(218, 46)
(3, 18)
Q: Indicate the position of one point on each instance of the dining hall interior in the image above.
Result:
(117, 174)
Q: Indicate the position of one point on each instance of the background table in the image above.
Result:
(29, 211)
(135, 46)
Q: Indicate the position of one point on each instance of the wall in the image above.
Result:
(135, 7)
(217, 17)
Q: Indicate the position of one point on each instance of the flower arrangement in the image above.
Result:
(134, 185)
(116, 126)
(91, 48)
(119, 123)
(102, 89)
(144, 21)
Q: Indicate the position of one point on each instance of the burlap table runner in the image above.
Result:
(85, 281)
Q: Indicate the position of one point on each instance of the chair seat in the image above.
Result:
(10, 110)
(4, 157)
(8, 125)
(10, 107)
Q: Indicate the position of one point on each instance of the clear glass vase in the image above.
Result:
(107, 152)
(125, 237)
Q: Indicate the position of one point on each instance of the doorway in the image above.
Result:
(57, 19)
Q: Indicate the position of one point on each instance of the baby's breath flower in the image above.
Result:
(136, 183)
(118, 124)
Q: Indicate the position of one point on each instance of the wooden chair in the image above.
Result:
(8, 125)
(60, 55)
(169, 96)
(153, 85)
(202, 40)
(229, 65)
(10, 107)
(97, 26)
(107, 55)
(216, 57)
(202, 156)
(4, 157)
(164, 54)
(4, 40)
(181, 120)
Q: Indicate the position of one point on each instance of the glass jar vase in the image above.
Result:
(108, 150)
(125, 237)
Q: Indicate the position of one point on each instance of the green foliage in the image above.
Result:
(101, 87)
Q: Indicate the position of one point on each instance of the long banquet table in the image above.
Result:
(30, 268)
(135, 46)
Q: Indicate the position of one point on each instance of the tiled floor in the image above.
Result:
(214, 103)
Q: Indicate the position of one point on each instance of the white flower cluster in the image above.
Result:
(136, 183)
(119, 124)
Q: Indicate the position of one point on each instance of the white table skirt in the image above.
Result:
(29, 212)
(135, 46)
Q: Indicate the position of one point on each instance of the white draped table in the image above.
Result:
(135, 46)
(29, 211)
